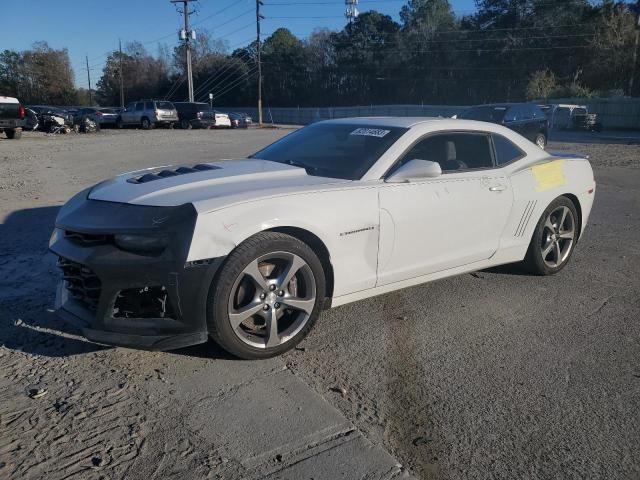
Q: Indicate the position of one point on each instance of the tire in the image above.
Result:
(547, 234)
(145, 123)
(234, 289)
(13, 133)
(119, 124)
(541, 140)
(185, 124)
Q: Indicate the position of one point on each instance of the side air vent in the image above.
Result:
(150, 177)
(524, 220)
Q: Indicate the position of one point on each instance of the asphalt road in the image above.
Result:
(495, 374)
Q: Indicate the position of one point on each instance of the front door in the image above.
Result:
(444, 222)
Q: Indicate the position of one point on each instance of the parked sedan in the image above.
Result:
(240, 120)
(105, 117)
(250, 251)
(525, 118)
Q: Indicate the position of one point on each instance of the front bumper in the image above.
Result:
(116, 297)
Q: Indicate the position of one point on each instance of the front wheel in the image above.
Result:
(267, 297)
(554, 238)
(146, 124)
(541, 140)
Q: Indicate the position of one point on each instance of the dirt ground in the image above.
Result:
(496, 374)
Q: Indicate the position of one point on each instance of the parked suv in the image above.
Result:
(525, 118)
(12, 115)
(148, 114)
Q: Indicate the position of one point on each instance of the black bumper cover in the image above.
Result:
(186, 284)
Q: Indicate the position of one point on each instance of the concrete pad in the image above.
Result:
(357, 458)
(256, 422)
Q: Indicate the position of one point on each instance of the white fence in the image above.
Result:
(613, 113)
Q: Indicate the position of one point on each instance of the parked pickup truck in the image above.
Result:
(12, 115)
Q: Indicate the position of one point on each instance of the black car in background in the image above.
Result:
(195, 115)
(525, 118)
(240, 120)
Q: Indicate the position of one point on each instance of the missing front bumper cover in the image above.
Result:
(145, 302)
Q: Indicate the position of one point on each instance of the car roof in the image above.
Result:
(504, 105)
(409, 122)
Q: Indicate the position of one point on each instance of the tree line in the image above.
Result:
(508, 50)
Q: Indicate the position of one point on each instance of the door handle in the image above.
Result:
(498, 188)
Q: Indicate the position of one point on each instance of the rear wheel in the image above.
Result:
(185, 124)
(14, 133)
(119, 124)
(267, 296)
(541, 140)
(554, 238)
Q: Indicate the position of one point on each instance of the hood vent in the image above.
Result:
(150, 177)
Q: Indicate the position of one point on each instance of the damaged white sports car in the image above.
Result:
(250, 251)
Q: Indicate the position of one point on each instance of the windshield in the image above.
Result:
(485, 114)
(333, 150)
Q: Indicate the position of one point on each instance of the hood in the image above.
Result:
(228, 180)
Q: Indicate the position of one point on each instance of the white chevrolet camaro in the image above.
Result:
(250, 251)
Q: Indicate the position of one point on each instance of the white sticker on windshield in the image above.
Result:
(370, 132)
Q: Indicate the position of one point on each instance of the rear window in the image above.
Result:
(506, 150)
(165, 106)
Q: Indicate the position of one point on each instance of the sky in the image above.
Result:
(92, 27)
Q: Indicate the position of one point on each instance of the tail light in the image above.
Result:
(21, 112)
(156, 113)
(99, 114)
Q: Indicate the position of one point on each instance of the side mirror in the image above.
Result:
(415, 170)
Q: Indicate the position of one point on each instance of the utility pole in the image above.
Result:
(259, 48)
(187, 35)
(86, 57)
(121, 81)
(634, 62)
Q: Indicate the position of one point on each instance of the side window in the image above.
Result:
(139, 106)
(453, 151)
(527, 112)
(149, 106)
(511, 115)
(130, 107)
(506, 151)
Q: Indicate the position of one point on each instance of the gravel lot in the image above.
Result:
(496, 374)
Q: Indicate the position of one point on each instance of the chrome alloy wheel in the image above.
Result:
(272, 299)
(558, 236)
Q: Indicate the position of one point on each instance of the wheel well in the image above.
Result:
(318, 247)
(576, 203)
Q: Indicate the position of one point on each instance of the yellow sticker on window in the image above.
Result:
(549, 175)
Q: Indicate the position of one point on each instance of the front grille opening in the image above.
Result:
(81, 282)
(87, 239)
(145, 302)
